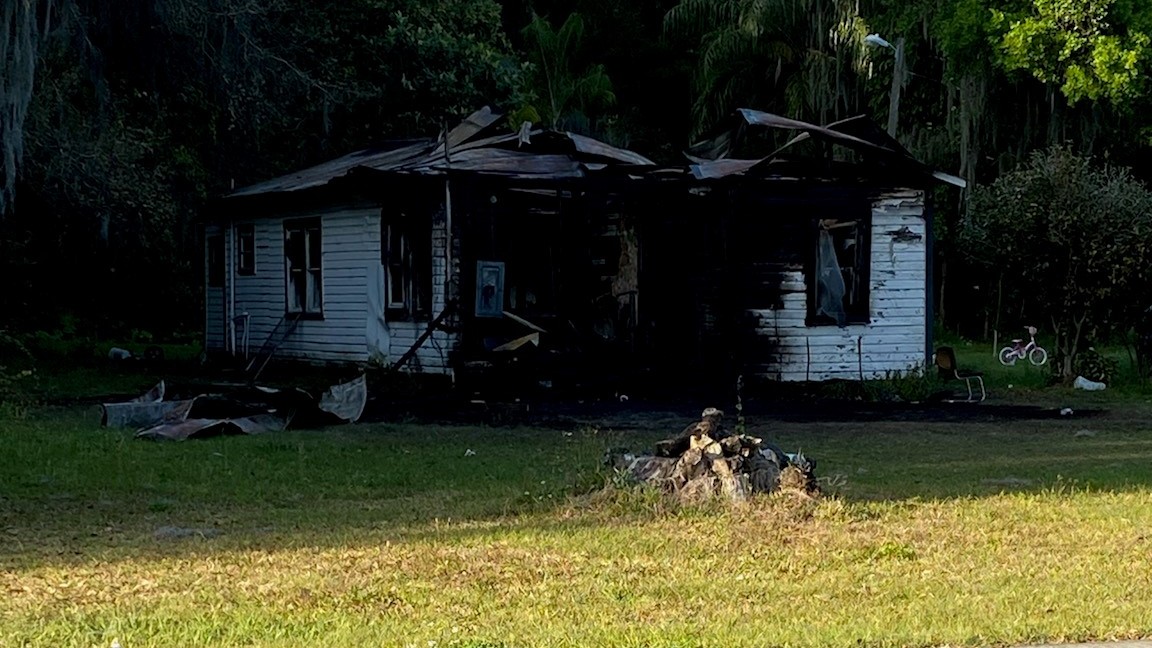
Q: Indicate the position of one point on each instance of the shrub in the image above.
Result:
(17, 371)
(1094, 366)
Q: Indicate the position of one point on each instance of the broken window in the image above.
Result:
(246, 249)
(302, 253)
(406, 248)
(215, 261)
(838, 284)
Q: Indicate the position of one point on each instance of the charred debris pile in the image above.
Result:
(706, 460)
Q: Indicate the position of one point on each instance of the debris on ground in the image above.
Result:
(1088, 385)
(235, 410)
(706, 460)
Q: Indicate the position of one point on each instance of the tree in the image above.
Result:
(1091, 49)
(568, 92)
(1073, 242)
(803, 58)
(142, 110)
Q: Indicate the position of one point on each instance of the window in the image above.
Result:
(302, 263)
(215, 261)
(245, 249)
(407, 257)
(838, 282)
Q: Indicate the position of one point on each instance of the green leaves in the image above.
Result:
(804, 58)
(565, 90)
(1085, 47)
(1070, 238)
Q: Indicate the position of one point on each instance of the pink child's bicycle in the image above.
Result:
(1018, 351)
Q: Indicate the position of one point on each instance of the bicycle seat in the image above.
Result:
(1017, 341)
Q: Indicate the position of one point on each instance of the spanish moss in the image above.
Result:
(20, 35)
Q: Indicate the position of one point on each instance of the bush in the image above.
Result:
(1094, 366)
(1066, 240)
(17, 371)
(911, 386)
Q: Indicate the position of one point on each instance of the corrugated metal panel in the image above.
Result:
(856, 133)
(721, 168)
(469, 146)
(322, 173)
(589, 146)
(504, 162)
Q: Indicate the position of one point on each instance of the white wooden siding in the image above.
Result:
(215, 331)
(895, 340)
(350, 249)
(349, 239)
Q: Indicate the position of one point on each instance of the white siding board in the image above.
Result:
(347, 244)
(350, 247)
(895, 339)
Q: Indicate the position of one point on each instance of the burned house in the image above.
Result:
(491, 249)
(811, 261)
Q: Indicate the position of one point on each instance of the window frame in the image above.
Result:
(246, 250)
(313, 265)
(859, 310)
(409, 268)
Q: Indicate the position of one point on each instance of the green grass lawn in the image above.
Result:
(968, 534)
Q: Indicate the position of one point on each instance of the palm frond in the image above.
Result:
(593, 90)
(696, 17)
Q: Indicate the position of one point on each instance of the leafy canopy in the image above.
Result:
(1091, 49)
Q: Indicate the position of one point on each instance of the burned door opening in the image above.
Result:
(509, 244)
(567, 261)
(689, 311)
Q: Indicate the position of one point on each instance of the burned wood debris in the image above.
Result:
(234, 410)
(705, 461)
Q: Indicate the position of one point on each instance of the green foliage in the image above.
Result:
(1094, 365)
(1091, 49)
(142, 112)
(803, 58)
(1072, 240)
(566, 92)
(17, 372)
(913, 386)
(963, 31)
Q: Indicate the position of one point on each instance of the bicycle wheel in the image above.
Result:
(1007, 356)
(1037, 356)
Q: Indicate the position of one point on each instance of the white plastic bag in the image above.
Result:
(1088, 385)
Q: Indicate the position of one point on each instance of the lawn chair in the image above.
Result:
(946, 364)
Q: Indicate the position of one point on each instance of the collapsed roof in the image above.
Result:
(482, 144)
(476, 145)
(875, 149)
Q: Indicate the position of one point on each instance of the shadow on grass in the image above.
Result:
(72, 492)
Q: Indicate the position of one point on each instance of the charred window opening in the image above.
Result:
(245, 250)
(838, 284)
(406, 247)
(215, 261)
(302, 256)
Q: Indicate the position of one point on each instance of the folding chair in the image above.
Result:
(946, 364)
